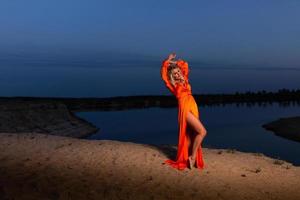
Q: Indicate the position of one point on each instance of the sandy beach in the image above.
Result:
(287, 127)
(41, 166)
(44, 116)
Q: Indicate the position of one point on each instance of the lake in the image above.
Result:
(227, 126)
(70, 80)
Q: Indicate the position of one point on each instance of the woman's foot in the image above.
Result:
(191, 162)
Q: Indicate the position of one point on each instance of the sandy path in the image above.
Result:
(38, 166)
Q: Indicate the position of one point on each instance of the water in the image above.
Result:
(115, 79)
(227, 126)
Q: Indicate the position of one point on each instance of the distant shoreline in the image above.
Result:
(261, 98)
(55, 115)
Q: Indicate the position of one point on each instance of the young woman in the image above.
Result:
(191, 130)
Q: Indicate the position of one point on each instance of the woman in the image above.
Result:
(191, 130)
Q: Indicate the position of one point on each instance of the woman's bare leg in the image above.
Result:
(199, 129)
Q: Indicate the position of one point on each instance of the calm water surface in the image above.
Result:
(55, 80)
(227, 126)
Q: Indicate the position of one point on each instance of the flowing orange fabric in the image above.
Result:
(186, 102)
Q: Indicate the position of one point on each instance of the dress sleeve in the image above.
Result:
(184, 67)
(164, 75)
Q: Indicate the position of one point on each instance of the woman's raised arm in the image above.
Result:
(164, 75)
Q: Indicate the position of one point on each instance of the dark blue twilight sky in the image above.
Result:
(246, 33)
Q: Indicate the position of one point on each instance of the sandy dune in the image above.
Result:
(39, 166)
(287, 127)
(42, 116)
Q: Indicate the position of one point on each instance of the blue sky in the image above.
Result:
(246, 33)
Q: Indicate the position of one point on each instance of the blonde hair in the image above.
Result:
(170, 74)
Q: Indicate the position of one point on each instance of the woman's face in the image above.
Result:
(177, 74)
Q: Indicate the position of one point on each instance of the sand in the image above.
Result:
(287, 127)
(42, 116)
(40, 166)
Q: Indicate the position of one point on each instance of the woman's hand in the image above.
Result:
(182, 80)
(171, 56)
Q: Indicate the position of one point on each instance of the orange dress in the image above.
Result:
(186, 102)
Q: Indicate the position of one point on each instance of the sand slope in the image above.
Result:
(38, 166)
(42, 116)
(287, 127)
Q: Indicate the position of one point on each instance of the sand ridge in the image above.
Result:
(41, 166)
